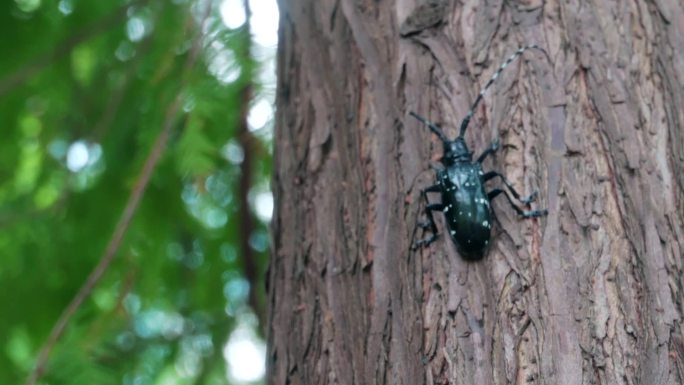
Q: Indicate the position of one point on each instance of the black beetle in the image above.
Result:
(465, 203)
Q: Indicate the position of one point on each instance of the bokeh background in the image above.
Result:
(91, 92)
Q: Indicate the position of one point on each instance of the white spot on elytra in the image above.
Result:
(485, 223)
(453, 232)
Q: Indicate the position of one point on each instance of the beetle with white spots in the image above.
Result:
(461, 184)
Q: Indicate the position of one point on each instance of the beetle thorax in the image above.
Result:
(465, 175)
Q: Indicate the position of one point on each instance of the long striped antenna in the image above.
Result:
(517, 53)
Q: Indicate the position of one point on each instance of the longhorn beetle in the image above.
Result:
(465, 203)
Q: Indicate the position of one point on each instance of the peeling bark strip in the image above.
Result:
(592, 294)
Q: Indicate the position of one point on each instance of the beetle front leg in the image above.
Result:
(526, 201)
(525, 214)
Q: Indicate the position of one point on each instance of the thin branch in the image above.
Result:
(112, 247)
(123, 224)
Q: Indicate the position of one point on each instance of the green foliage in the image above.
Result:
(99, 78)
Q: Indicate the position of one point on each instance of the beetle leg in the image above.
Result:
(433, 188)
(526, 200)
(491, 149)
(525, 214)
(425, 242)
(430, 223)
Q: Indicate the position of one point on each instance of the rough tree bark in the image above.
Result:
(591, 294)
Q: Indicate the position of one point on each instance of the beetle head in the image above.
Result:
(455, 151)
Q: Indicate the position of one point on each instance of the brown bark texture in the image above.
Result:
(590, 294)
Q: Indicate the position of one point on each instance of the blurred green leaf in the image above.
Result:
(85, 88)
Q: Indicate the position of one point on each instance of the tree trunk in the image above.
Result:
(590, 294)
